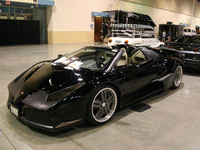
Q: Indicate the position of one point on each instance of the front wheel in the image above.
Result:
(178, 75)
(102, 105)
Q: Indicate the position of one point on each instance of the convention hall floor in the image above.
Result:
(166, 121)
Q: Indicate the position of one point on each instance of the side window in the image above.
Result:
(185, 39)
(138, 57)
(196, 40)
(123, 60)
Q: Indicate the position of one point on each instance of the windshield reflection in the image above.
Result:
(94, 59)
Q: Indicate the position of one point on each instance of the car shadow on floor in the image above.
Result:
(141, 107)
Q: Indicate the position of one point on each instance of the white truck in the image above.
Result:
(135, 34)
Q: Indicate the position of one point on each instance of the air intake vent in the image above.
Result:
(28, 76)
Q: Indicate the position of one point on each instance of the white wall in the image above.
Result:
(159, 16)
(178, 6)
(70, 19)
(75, 15)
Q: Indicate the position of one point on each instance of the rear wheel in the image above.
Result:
(178, 75)
(102, 105)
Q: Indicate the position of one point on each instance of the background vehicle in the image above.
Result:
(134, 34)
(189, 46)
(188, 31)
(90, 83)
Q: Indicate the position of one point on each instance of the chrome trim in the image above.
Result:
(115, 60)
(41, 125)
(67, 123)
(50, 82)
(189, 52)
(162, 78)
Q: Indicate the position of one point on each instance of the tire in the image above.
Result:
(102, 105)
(177, 78)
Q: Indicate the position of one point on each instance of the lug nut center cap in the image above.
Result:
(103, 104)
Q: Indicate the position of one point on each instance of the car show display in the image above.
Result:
(90, 84)
(189, 46)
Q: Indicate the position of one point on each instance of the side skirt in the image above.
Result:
(148, 91)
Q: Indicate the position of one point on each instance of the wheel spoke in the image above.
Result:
(106, 94)
(99, 113)
(103, 95)
(109, 100)
(97, 104)
(106, 111)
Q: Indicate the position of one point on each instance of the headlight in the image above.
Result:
(63, 93)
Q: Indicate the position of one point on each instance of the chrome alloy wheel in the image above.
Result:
(104, 104)
(178, 75)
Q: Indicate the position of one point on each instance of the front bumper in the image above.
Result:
(41, 119)
(56, 118)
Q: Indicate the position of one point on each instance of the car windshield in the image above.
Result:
(88, 58)
(189, 39)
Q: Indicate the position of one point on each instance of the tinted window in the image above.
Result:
(187, 30)
(185, 39)
(196, 40)
(152, 54)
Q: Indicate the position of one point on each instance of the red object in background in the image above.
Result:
(7, 2)
(195, 49)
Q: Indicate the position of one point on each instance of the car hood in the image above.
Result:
(44, 77)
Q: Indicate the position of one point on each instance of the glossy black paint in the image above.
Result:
(189, 46)
(50, 97)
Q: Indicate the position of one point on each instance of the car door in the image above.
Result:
(135, 76)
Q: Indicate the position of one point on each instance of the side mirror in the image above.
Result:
(59, 55)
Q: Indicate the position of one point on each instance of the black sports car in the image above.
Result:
(189, 47)
(90, 83)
